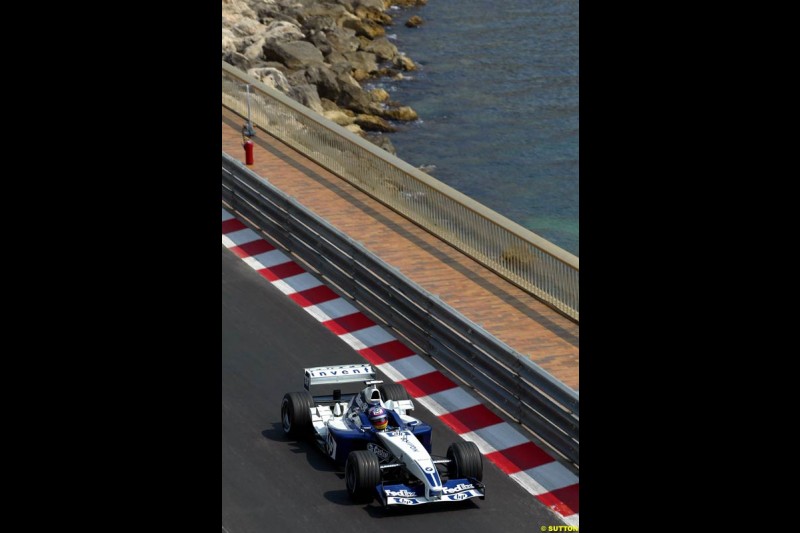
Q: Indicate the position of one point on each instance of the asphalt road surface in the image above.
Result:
(272, 484)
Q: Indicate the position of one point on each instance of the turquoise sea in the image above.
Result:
(497, 95)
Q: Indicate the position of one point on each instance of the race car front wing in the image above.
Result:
(454, 490)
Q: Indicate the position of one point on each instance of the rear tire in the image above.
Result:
(362, 473)
(296, 414)
(393, 391)
(465, 460)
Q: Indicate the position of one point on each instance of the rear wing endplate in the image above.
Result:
(325, 375)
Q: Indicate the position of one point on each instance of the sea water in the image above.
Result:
(497, 95)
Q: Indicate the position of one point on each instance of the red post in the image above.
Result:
(248, 151)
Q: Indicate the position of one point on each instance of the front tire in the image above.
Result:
(465, 461)
(296, 414)
(362, 473)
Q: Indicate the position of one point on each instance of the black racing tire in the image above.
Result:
(362, 472)
(296, 414)
(393, 391)
(465, 460)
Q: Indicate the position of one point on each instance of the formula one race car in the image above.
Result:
(383, 450)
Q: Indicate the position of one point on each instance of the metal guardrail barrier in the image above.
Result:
(525, 259)
(510, 381)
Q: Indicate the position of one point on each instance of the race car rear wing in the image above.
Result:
(325, 375)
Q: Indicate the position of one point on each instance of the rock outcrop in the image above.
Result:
(318, 53)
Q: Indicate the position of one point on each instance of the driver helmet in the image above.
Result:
(378, 417)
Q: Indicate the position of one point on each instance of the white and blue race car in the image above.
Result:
(394, 464)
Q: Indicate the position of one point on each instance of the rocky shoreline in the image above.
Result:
(319, 52)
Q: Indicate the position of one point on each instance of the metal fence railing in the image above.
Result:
(534, 264)
(507, 379)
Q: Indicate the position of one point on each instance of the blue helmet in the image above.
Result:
(378, 417)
